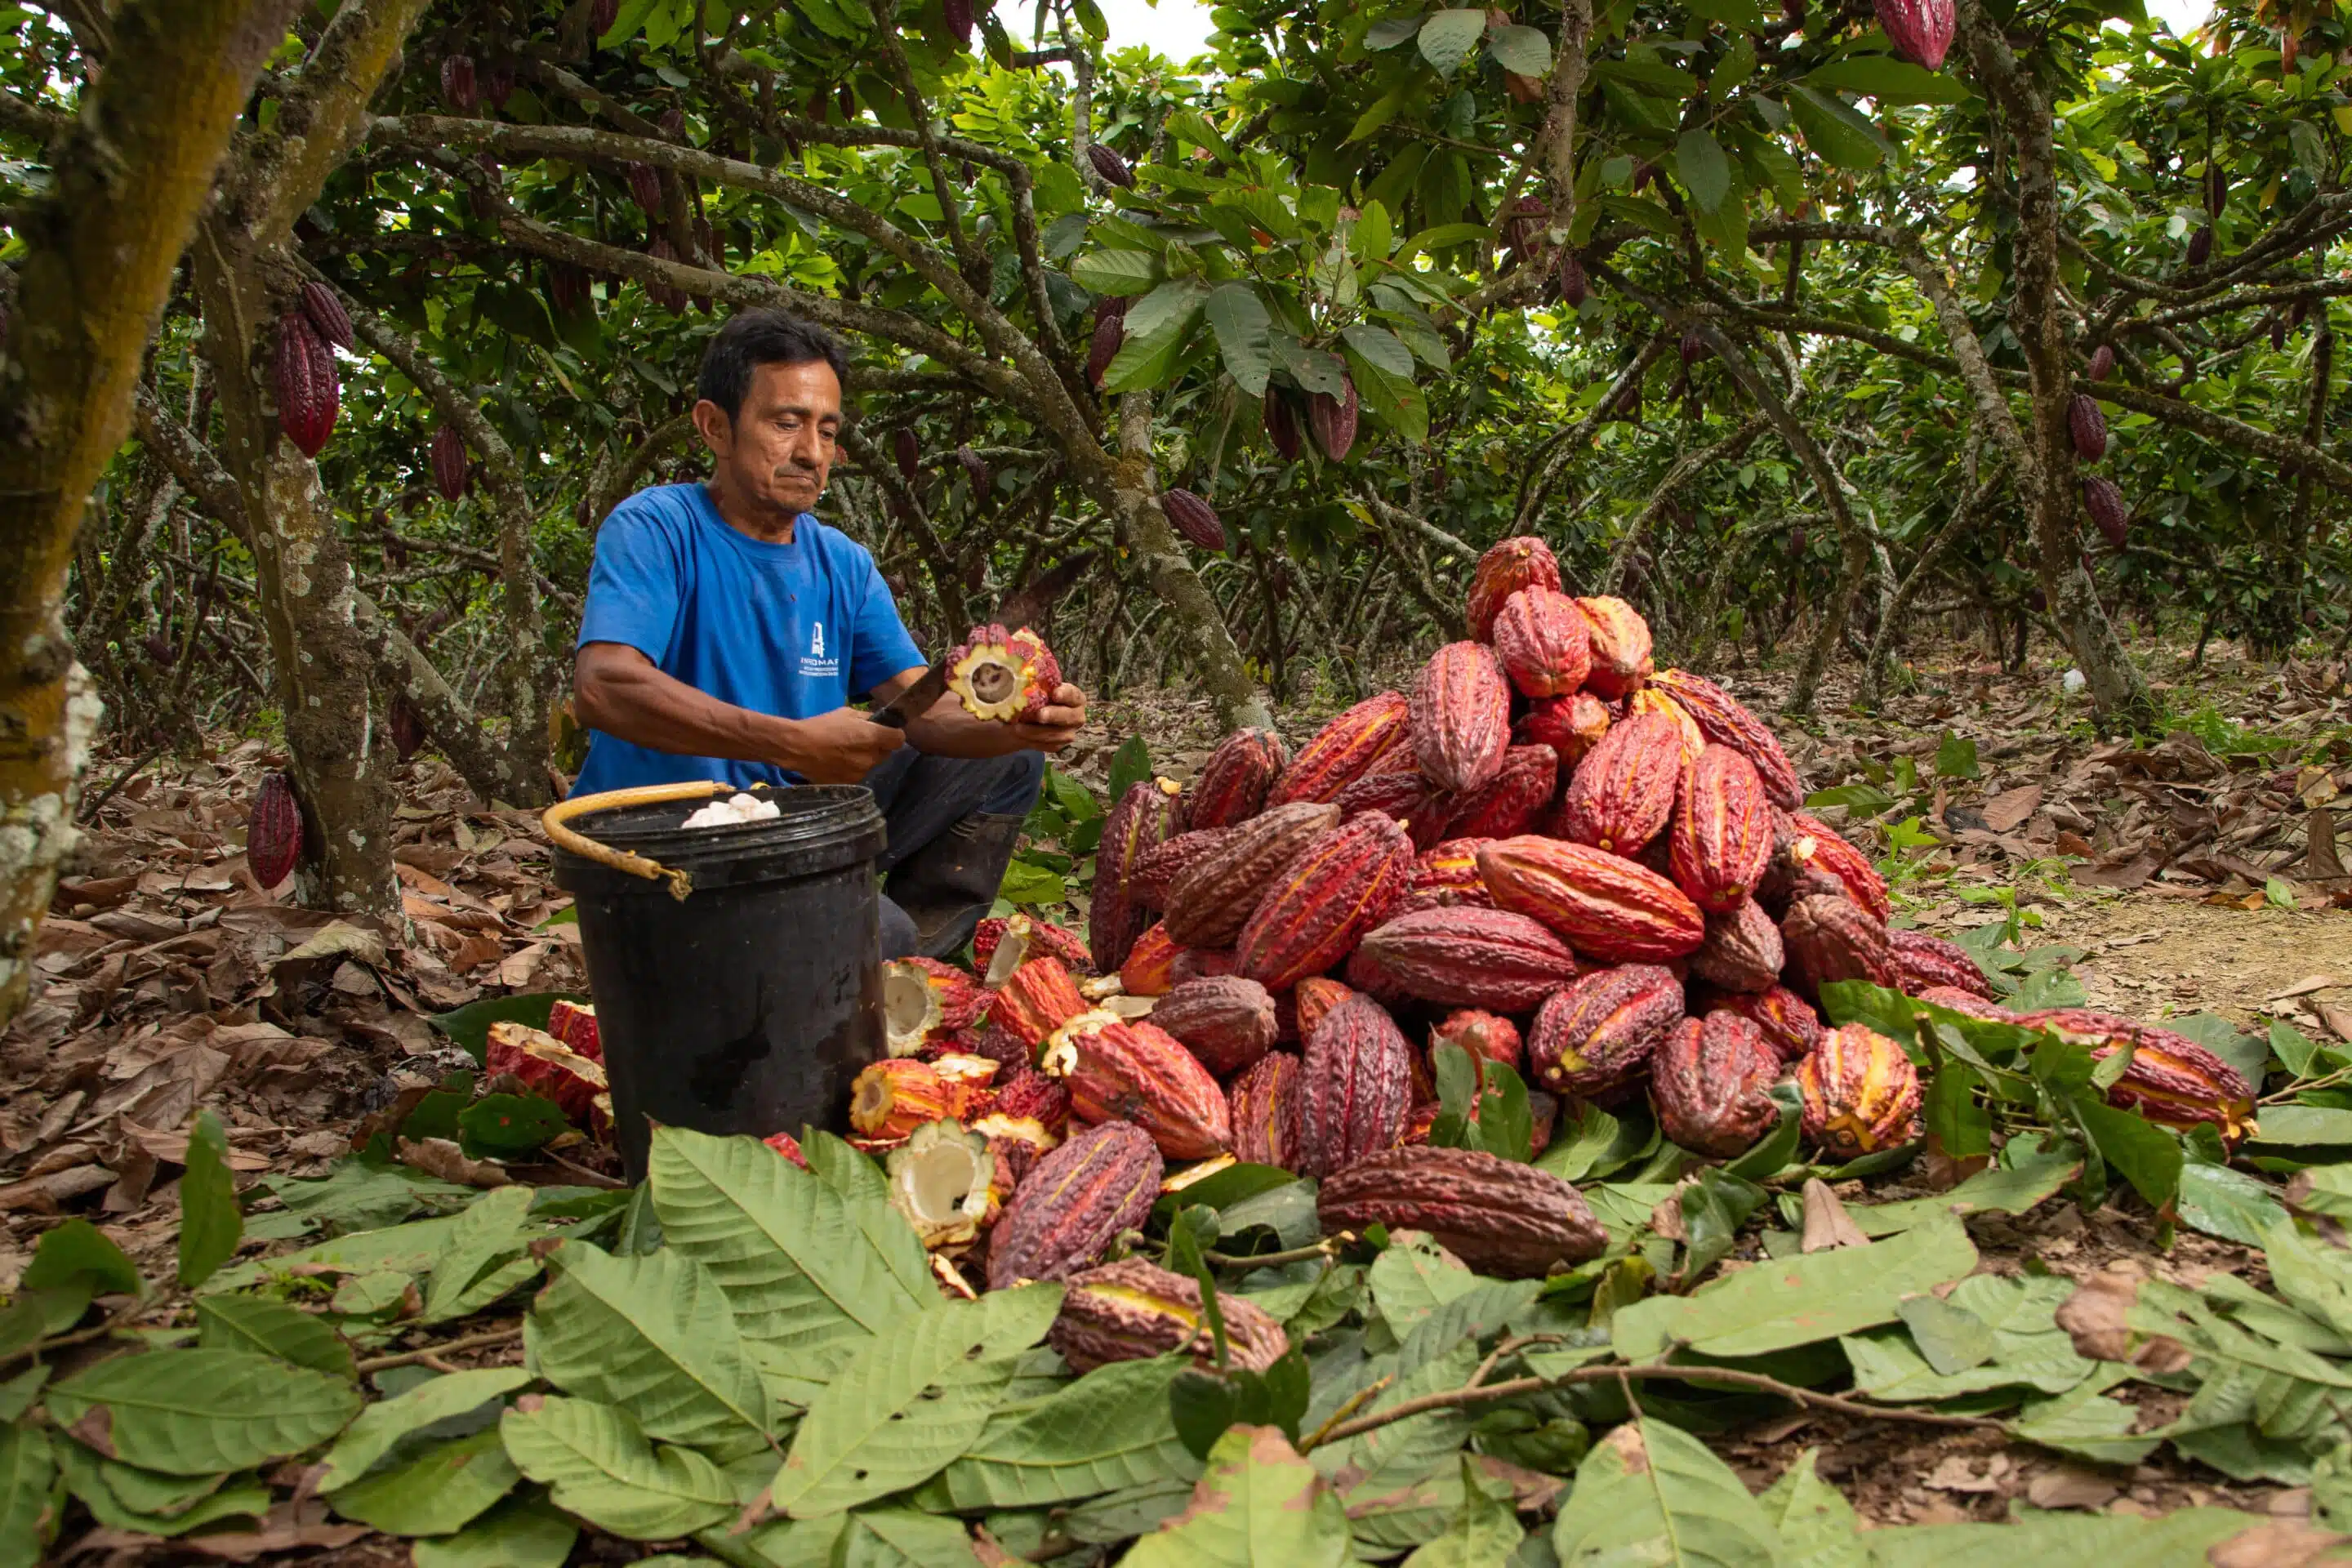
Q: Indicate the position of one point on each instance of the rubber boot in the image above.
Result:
(948, 885)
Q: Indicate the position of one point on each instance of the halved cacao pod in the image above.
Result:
(1497, 1215)
(1233, 783)
(1038, 999)
(1119, 1070)
(1029, 936)
(547, 1068)
(1074, 1203)
(1006, 677)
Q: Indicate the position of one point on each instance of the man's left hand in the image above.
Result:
(1056, 725)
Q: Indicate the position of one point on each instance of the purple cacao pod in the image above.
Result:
(308, 395)
(1195, 518)
(450, 462)
(1333, 420)
(2102, 361)
(457, 82)
(2088, 427)
(2108, 508)
(327, 314)
(1920, 30)
(1110, 165)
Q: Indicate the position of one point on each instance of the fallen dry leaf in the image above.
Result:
(2070, 1486)
(1827, 1225)
(440, 1157)
(2095, 1318)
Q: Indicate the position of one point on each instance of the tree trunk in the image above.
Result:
(131, 173)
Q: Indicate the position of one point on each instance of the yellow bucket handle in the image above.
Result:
(557, 818)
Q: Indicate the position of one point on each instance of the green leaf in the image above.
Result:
(1026, 882)
(1787, 1301)
(1374, 234)
(1457, 1081)
(443, 1488)
(909, 1402)
(77, 1250)
(2228, 1203)
(2088, 1424)
(1447, 38)
(653, 1335)
(795, 1257)
(1245, 337)
(211, 1223)
(1951, 1336)
(2062, 1540)
(273, 1328)
(524, 1533)
(1889, 80)
(1409, 1282)
(2037, 1174)
(1129, 765)
(1649, 1492)
(597, 1464)
(1379, 346)
(1956, 757)
(1506, 1124)
(1866, 798)
(1487, 1530)
(1835, 130)
(1390, 397)
(1524, 51)
(2149, 1157)
(469, 1027)
(30, 1501)
(123, 1497)
(2294, 1125)
(1259, 1506)
(1816, 1526)
(1120, 272)
(1108, 1431)
(508, 1126)
(483, 1258)
(196, 1412)
(1705, 172)
(1158, 328)
(380, 1427)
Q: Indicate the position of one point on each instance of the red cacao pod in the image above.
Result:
(1571, 726)
(2102, 361)
(1861, 1093)
(1151, 962)
(1343, 751)
(1225, 1021)
(1119, 1070)
(1144, 818)
(1134, 1310)
(1264, 1100)
(1464, 957)
(1213, 899)
(2088, 426)
(1822, 846)
(1595, 1034)
(1712, 1082)
(1110, 166)
(273, 831)
(1722, 719)
(1411, 799)
(1928, 961)
(1443, 877)
(1354, 1087)
(1607, 909)
(1836, 939)
(457, 82)
(957, 14)
(547, 1067)
(1156, 870)
(1723, 834)
(1461, 716)
(1072, 1205)
(1281, 423)
(1485, 1036)
(1311, 998)
(1233, 783)
(1518, 563)
(1111, 332)
(1920, 30)
(909, 453)
(450, 462)
(1622, 794)
(328, 317)
(308, 395)
(1499, 1216)
(1031, 936)
(1544, 641)
(2172, 1081)
(1621, 646)
(1574, 287)
(2111, 514)
(602, 15)
(499, 82)
(1332, 420)
(1742, 951)
(1324, 900)
(1037, 1000)
(1512, 802)
(1195, 518)
(1788, 1022)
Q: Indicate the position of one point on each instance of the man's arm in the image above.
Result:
(617, 689)
(946, 731)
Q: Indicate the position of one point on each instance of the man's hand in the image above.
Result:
(840, 747)
(1057, 725)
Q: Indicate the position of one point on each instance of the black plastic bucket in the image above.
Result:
(751, 1004)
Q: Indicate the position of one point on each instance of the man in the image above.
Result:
(728, 629)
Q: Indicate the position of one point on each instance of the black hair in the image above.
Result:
(763, 336)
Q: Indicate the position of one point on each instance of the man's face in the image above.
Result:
(779, 449)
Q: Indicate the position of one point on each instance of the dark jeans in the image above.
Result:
(923, 798)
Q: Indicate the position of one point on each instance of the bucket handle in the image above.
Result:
(557, 819)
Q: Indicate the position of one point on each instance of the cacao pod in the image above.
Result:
(574, 1024)
(1512, 802)
(450, 462)
(2102, 361)
(2172, 1081)
(2111, 514)
(1281, 423)
(328, 317)
(1595, 1034)
(1574, 287)
(909, 452)
(1227, 1021)
(1007, 677)
(308, 395)
(1074, 1203)
(1723, 834)
(922, 997)
(1722, 719)
(1355, 1084)
(1520, 562)
(957, 14)
(1822, 846)
(1422, 806)
(1333, 420)
(1461, 716)
(2088, 426)
(1134, 1310)
(1500, 1218)
(1195, 518)
(1835, 939)
(1464, 957)
(1861, 1093)
(499, 82)
(1571, 725)
(1028, 936)
(1233, 783)
(645, 189)
(1920, 30)
(1445, 876)
(569, 289)
(1111, 332)
(974, 466)
(1742, 951)
(1119, 1070)
(1312, 997)
(547, 1068)
(2201, 247)
(658, 288)
(602, 15)
(1523, 228)
(1324, 901)
(1712, 1083)
(457, 82)
(1144, 818)
(1203, 963)
(1622, 794)
(1544, 642)
(273, 831)
(1156, 867)
(1032, 1096)
(893, 1097)
(1649, 703)
(1693, 347)
(1110, 166)
(1485, 1036)
(1039, 998)
(1264, 1100)
(1925, 962)
(1343, 751)
(784, 1143)
(1146, 972)
(1607, 908)
(1212, 899)
(1621, 646)
(1966, 1003)
(1788, 1022)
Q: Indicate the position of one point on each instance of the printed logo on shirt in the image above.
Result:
(815, 665)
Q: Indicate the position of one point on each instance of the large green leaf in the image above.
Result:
(792, 1254)
(871, 1537)
(1409, 1282)
(651, 1334)
(123, 1497)
(1653, 1493)
(1704, 170)
(1485, 1531)
(910, 1401)
(1244, 336)
(195, 1411)
(1889, 80)
(1817, 1527)
(1447, 38)
(1109, 1430)
(383, 1424)
(597, 1464)
(1835, 130)
(272, 1329)
(1787, 1301)
(1525, 50)
(524, 1533)
(2005, 1189)
(211, 1223)
(2065, 1540)
(30, 1499)
(1158, 327)
(487, 1233)
(441, 1489)
(1258, 1506)
(469, 1027)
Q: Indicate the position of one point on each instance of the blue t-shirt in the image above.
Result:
(788, 629)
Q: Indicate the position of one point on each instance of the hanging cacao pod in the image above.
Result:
(1195, 518)
(327, 314)
(645, 189)
(958, 15)
(2088, 426)
(848, 97)
(1110, 165)
(1109, 333)
(2108, 508)
(1920, 30)
(975, 469)
(273, 831)
(602, 15)
(498, 80)
(1693, 348)
(457, 82)
(2217, 186)
(568, 288)
(1281, 423)
(308, 395)
(909, 452)
(1333, 420)
(449, 463)
(2201, 247)
(407, 728)
(2102, 361)
(1523, 229)
(1574, 287)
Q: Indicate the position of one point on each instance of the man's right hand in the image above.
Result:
(840, 747)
